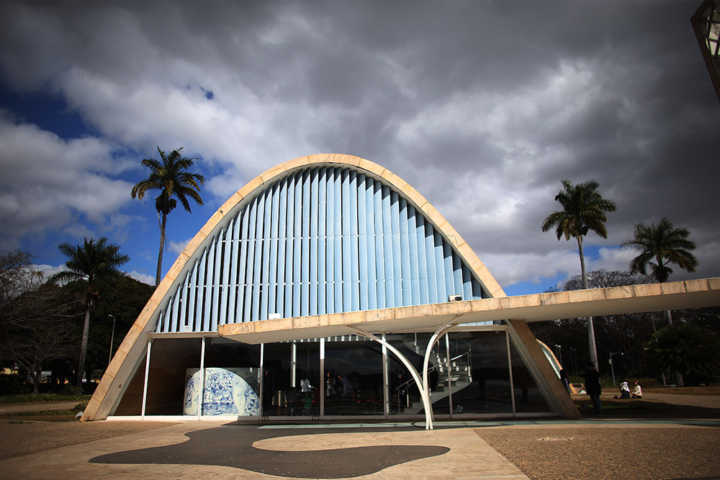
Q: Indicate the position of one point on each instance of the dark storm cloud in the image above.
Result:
(483, 106)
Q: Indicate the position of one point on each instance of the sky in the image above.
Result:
(483, 106)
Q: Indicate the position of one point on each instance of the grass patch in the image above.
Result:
(42, 413)
(50, 416)
(43, 397)
(709, 390)
(616, 408)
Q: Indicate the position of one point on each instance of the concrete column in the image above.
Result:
(548, 383)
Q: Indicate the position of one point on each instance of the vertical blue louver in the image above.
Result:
(321, 240)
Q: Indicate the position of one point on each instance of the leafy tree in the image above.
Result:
(616, 333)
(123, 298)
(172, 178)
(583, 211)
(604, 279)
(37, 321)
(15, 276)
(38, 326)
(665, 244)
(88, 264)
(688, 349)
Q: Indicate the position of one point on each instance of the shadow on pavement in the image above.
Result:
(614, 408)
(232, 446)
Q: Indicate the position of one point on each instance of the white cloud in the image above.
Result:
(178, 247)
(509, 268)
(46, 180)
(142, 277)
(486, 134)
(48, 270)
(611, 259)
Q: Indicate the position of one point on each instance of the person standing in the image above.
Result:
(565, 380)
(592, 386)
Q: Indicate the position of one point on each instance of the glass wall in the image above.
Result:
(171, 360)
(527, 395)
(472, 376)
(353, 376)
(479, 372)
(291, 387)
(403, 392)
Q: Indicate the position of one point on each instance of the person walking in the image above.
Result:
(592, 386)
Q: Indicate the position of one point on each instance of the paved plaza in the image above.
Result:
(458, 450)
(680, 446)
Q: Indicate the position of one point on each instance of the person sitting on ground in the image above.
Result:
(624, 390)
(637, 390)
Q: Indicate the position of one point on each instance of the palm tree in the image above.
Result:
(88, 263)
(171, 177)
(583, 210)
(665, 244)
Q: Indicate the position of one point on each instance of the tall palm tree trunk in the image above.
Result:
(591, 329)
(163, 222)
(662, 374)
(679, 379)
(84, 342)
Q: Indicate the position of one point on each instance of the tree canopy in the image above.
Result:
(87, 264)
(583, 210)
(665, 244)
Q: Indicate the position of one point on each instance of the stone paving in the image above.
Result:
(594, 448)
(215, 451)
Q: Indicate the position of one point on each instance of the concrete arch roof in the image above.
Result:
(119, 369)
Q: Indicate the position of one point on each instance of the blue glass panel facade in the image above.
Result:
(320, 240)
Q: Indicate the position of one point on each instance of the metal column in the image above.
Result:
(261, 374)
(386, 386)
(147, 373)
(322, 377)
(449, 372)
(202, 378)
(293, 365)
(512, 383)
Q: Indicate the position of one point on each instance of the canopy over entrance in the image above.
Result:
(517, 310)
(530, 308)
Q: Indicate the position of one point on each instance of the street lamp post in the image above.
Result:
(612, 367)
(112, 338)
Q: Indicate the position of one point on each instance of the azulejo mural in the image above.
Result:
(227, 391)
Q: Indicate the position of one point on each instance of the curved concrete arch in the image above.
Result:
(130, 352)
